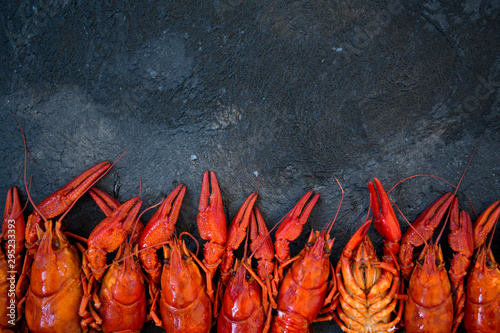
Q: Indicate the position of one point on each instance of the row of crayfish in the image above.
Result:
(63, 283)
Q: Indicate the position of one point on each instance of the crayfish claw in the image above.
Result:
(292, 225)
(485, 223)
(110, 233)
(238, 227)
(58, 202)
(357, 238)
(158, 230)
(461, 237)
(211, 221)
(105, 202)
(385, 220)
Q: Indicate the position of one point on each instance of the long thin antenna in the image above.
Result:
(408, 222)
(338, 209)
(139, 217)
(193, 238)
(25, 171)
(455, 193)
(419, 175)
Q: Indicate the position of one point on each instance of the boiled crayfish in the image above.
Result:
(434, 304)
(245, 306)
(309, 284)
(119, 297)
(369, 288)
(482, 306)
(182, 294)
(55, 289)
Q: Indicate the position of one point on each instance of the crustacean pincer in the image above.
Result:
(157, 232)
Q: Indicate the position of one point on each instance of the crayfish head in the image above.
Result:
(484, 278)
(430, 263)
(319, 245)
(181, 278)
(313, 269)
(429, 283)
(241, 279)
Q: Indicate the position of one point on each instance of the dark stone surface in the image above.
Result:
(296, 90)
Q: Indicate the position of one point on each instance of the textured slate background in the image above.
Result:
(296, 90)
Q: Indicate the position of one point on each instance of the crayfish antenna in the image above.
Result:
(330, 224)
(30, 199)
(424, 240)
(193, 238)
(455, 194)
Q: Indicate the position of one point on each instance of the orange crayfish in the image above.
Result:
(120, 297)
(223, 240)
(369, 288)
(182, 293)
(55, 290)
(309, 285)
(434, 304)
(245, 306)
(482, 305)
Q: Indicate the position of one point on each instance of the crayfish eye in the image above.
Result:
(233, 273)
(438, 262)
(165, 261)
(309, 244)
(56, 244)
(489, 263)
(184, 257)
(248, 277)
